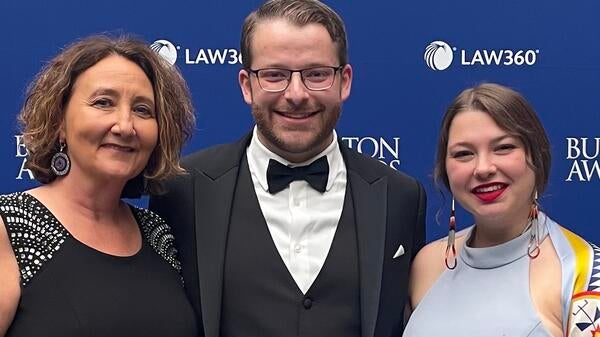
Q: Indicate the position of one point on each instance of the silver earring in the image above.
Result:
(60, 163)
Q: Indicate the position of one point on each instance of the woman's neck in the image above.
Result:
(492, 232)
(94, 199)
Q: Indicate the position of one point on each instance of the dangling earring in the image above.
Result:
(451, 234)
(533, 249)
(60, 163)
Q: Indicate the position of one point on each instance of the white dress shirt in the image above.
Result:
(302, 221)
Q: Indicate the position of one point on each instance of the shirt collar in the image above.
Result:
(259, 156)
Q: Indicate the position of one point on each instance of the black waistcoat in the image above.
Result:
(260, 297)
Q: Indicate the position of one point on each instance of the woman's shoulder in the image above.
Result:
(12, 199)
(567, 243)
(431, 258)
(154, 228)
(147, 218)
(430, 263)
(580, 269)
(35, 236)
(23, 202)
(158, 234)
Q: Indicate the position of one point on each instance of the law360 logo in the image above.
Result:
(439, 55)
(197, 56)
(165, 49)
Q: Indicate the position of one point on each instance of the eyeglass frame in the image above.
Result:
(292, 71)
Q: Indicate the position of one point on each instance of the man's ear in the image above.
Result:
(346, 82)
(245, 84)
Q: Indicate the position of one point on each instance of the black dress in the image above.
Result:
(70, 289)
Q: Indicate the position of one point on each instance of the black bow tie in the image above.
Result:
(280, 176)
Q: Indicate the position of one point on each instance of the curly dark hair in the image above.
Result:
(47, 96)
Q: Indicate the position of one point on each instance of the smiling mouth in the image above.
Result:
(120, 148)
(489, 192)
(296, 115)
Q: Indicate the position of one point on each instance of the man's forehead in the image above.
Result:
(277, 23)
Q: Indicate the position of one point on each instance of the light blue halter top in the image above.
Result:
(486, 295)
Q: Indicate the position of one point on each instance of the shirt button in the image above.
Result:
(307, 303)
(297, 248)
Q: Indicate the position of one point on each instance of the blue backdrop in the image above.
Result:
(547, 50)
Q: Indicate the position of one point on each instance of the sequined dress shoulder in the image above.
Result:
(70, 289)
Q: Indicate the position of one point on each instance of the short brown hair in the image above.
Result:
(512, 113)
(300, 13)
(47, 96)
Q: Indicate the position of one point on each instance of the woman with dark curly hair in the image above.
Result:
(105, 119)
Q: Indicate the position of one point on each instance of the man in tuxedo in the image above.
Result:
(288, 232)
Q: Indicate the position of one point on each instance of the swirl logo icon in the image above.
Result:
(165, 49)
(438, 55)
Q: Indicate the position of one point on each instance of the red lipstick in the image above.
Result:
(489, 192)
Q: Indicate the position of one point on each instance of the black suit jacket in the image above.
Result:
(389, 212)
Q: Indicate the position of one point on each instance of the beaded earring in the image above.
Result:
(60, 162)
(450, 247)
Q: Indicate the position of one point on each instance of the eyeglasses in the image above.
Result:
(277, 79)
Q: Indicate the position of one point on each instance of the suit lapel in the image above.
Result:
(369, 193)
(214, 190)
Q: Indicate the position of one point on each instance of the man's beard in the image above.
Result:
(265, 127)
